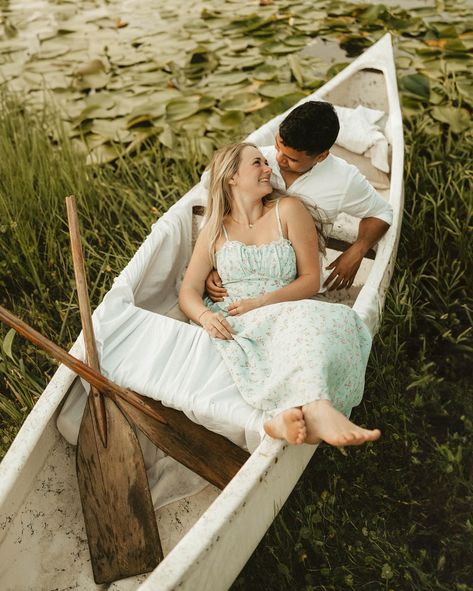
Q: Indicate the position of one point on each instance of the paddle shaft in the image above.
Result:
(98, 405)
(93, 377)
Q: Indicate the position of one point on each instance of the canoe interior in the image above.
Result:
(42, 537)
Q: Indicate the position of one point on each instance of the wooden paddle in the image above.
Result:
(116, 500)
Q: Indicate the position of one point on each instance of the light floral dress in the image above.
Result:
(288, 354)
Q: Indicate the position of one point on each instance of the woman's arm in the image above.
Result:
(301, 231)
(192, 290)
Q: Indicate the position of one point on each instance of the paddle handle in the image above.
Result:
(98, 404)
(94, 378)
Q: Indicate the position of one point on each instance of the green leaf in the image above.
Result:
(206, 146)
(243, 101)
(228, 120)
(8, 342)
(458, 119)
(282, 103)
(465, 88)
(266, 72)
(296, 69)
(167, 137)
(416, 84)
(181, 108)
(275, 90)
(277, 48)
(103, 154)
(228, 78)
(92, 81)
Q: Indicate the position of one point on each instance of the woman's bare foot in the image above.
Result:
(288, 425)
(326, 423)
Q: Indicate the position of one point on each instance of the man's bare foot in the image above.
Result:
(288, 425)
(326, 423)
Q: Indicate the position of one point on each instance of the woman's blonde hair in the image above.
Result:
(223, 167)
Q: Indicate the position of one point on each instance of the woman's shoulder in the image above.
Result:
(290, 205)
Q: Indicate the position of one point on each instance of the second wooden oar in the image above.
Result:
(116, 500)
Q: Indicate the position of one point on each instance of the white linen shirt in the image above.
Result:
(335, 186)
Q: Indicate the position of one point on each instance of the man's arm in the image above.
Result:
(364, 202)
(345, 267)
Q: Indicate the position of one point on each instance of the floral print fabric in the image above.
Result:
(288, 354)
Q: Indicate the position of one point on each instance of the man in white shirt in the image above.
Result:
(303, 166)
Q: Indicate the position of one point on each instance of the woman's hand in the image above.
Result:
(242, 306)
(213, 287)
(216, 325)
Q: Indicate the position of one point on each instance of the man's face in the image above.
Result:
(291, 160)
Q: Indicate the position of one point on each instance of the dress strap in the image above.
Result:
(225, 232)
(278, 217)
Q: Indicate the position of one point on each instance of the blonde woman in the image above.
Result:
(300, 361)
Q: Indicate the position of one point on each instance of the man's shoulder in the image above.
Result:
(337, 163)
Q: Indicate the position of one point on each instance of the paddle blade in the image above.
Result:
(118, 510)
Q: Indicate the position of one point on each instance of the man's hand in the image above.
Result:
(243, 306)
(213, 287)
(344, 269)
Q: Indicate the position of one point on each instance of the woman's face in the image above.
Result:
(253, 178)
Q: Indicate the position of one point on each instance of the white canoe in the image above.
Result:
(42, 541)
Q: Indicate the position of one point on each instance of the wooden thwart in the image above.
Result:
(208, 454)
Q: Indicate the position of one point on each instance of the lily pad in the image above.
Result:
(181, 108)
(243, 101)
(206, 146)
(227, 120)
(282, 103)
(167, 137)
(278, 48)
(465, 88)
(104, 153)
(296, 69)
(227, 78)
(266, 72)
(416, 84)
(276, 90)
(52, 50)
(92, 81)
(112, 130)
(457, 118)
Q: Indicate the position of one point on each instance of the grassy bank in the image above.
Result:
(393, 515)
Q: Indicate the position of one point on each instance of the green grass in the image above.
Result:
(391, 515)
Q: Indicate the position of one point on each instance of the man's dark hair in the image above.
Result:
(311, 127)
